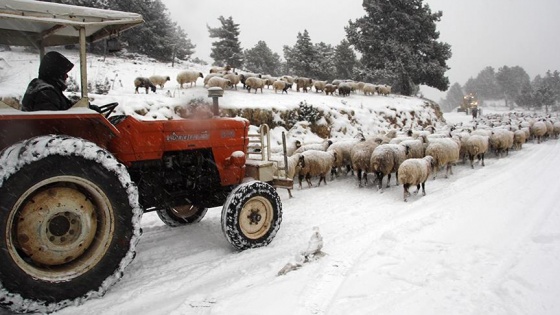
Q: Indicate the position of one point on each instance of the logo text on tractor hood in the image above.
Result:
(187, 137)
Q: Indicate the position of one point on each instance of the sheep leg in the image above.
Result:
(360, 178)
(423, 189)
(300, 178)
(417, 189)
(482, 155)
(308, 179)
(471, 158)
(379, 181)
(388, 180)
(405, 191)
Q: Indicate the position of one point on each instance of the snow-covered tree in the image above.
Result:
(184, 48)
(484, 85)
(454, 97)
(323, 68)
(227, 49)
(398, 39)
(300, 58)
(512, 80)
(260, 59)
(345, 60)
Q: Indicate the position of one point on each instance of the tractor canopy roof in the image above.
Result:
(41, 24)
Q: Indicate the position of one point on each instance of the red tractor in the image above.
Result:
(74, 184)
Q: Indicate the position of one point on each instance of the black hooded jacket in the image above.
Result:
(45, 92)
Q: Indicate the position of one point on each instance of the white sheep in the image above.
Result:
(343, 148)
(281, 85)
(319, 86)
(368, 89)
(254, 83)
(244, 76)
(222, 70)
(159, 80)
(233, 78)
(519, 138)
(219, 82)
(416, 148)
(360, 157)
(445, 152)
(386, 159)
(556, 129)
(303, 83)
(415, 172)
(538, 130)
(384, 90)
(477, 146)
(322, 146)
(315, 163)
(330, 89)
(210, 76)
(501, 140)
(188, 76)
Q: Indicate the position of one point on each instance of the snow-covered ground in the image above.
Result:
(483, 241)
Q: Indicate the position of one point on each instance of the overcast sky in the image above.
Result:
(481, 32)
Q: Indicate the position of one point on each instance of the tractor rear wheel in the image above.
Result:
(69, 223)
(181, 215)
(251, 215)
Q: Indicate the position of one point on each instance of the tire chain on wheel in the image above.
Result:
(34, 149)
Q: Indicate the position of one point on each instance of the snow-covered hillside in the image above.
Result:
(483, 241)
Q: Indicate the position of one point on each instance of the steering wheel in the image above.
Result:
(105, 109)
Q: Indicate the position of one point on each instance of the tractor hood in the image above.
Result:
(34, 23)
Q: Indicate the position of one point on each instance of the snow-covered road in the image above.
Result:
(484, 241)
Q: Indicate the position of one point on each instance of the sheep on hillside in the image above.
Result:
(330, 88)
(222, 70)
(386, 159)
(344, 89)
(415, 172)
(244, 76)
(368, 89)
(233, 78)
(254, 83)
(145, 83)
(210, 76)
(477, 146)
(445, 152)
(219, 82)
(188, 76)
(384, 90)
(319, 86)
(315, 163)
(159, 80)
(281, 85)
(303, 83)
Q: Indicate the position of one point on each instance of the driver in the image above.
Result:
(45, 92)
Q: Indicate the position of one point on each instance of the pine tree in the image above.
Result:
(398, 40)
(345, 60)
(454, 97)
(260, 59)
(300, 58)
(323, 67)
(184, 48)
(227, 49)
(512, 80)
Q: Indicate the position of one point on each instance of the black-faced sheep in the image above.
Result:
(477, 146)
(281, 85)
(144, 83)
(159, 80)
(315, 163)
(386, 159)
(415, 172)
(219, 82)
(188, 76)
(254, 83)
(344, 89)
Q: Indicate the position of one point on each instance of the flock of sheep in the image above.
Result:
(415, 155)
(224, 78)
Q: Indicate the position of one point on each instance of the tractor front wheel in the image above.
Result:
(251, 215)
